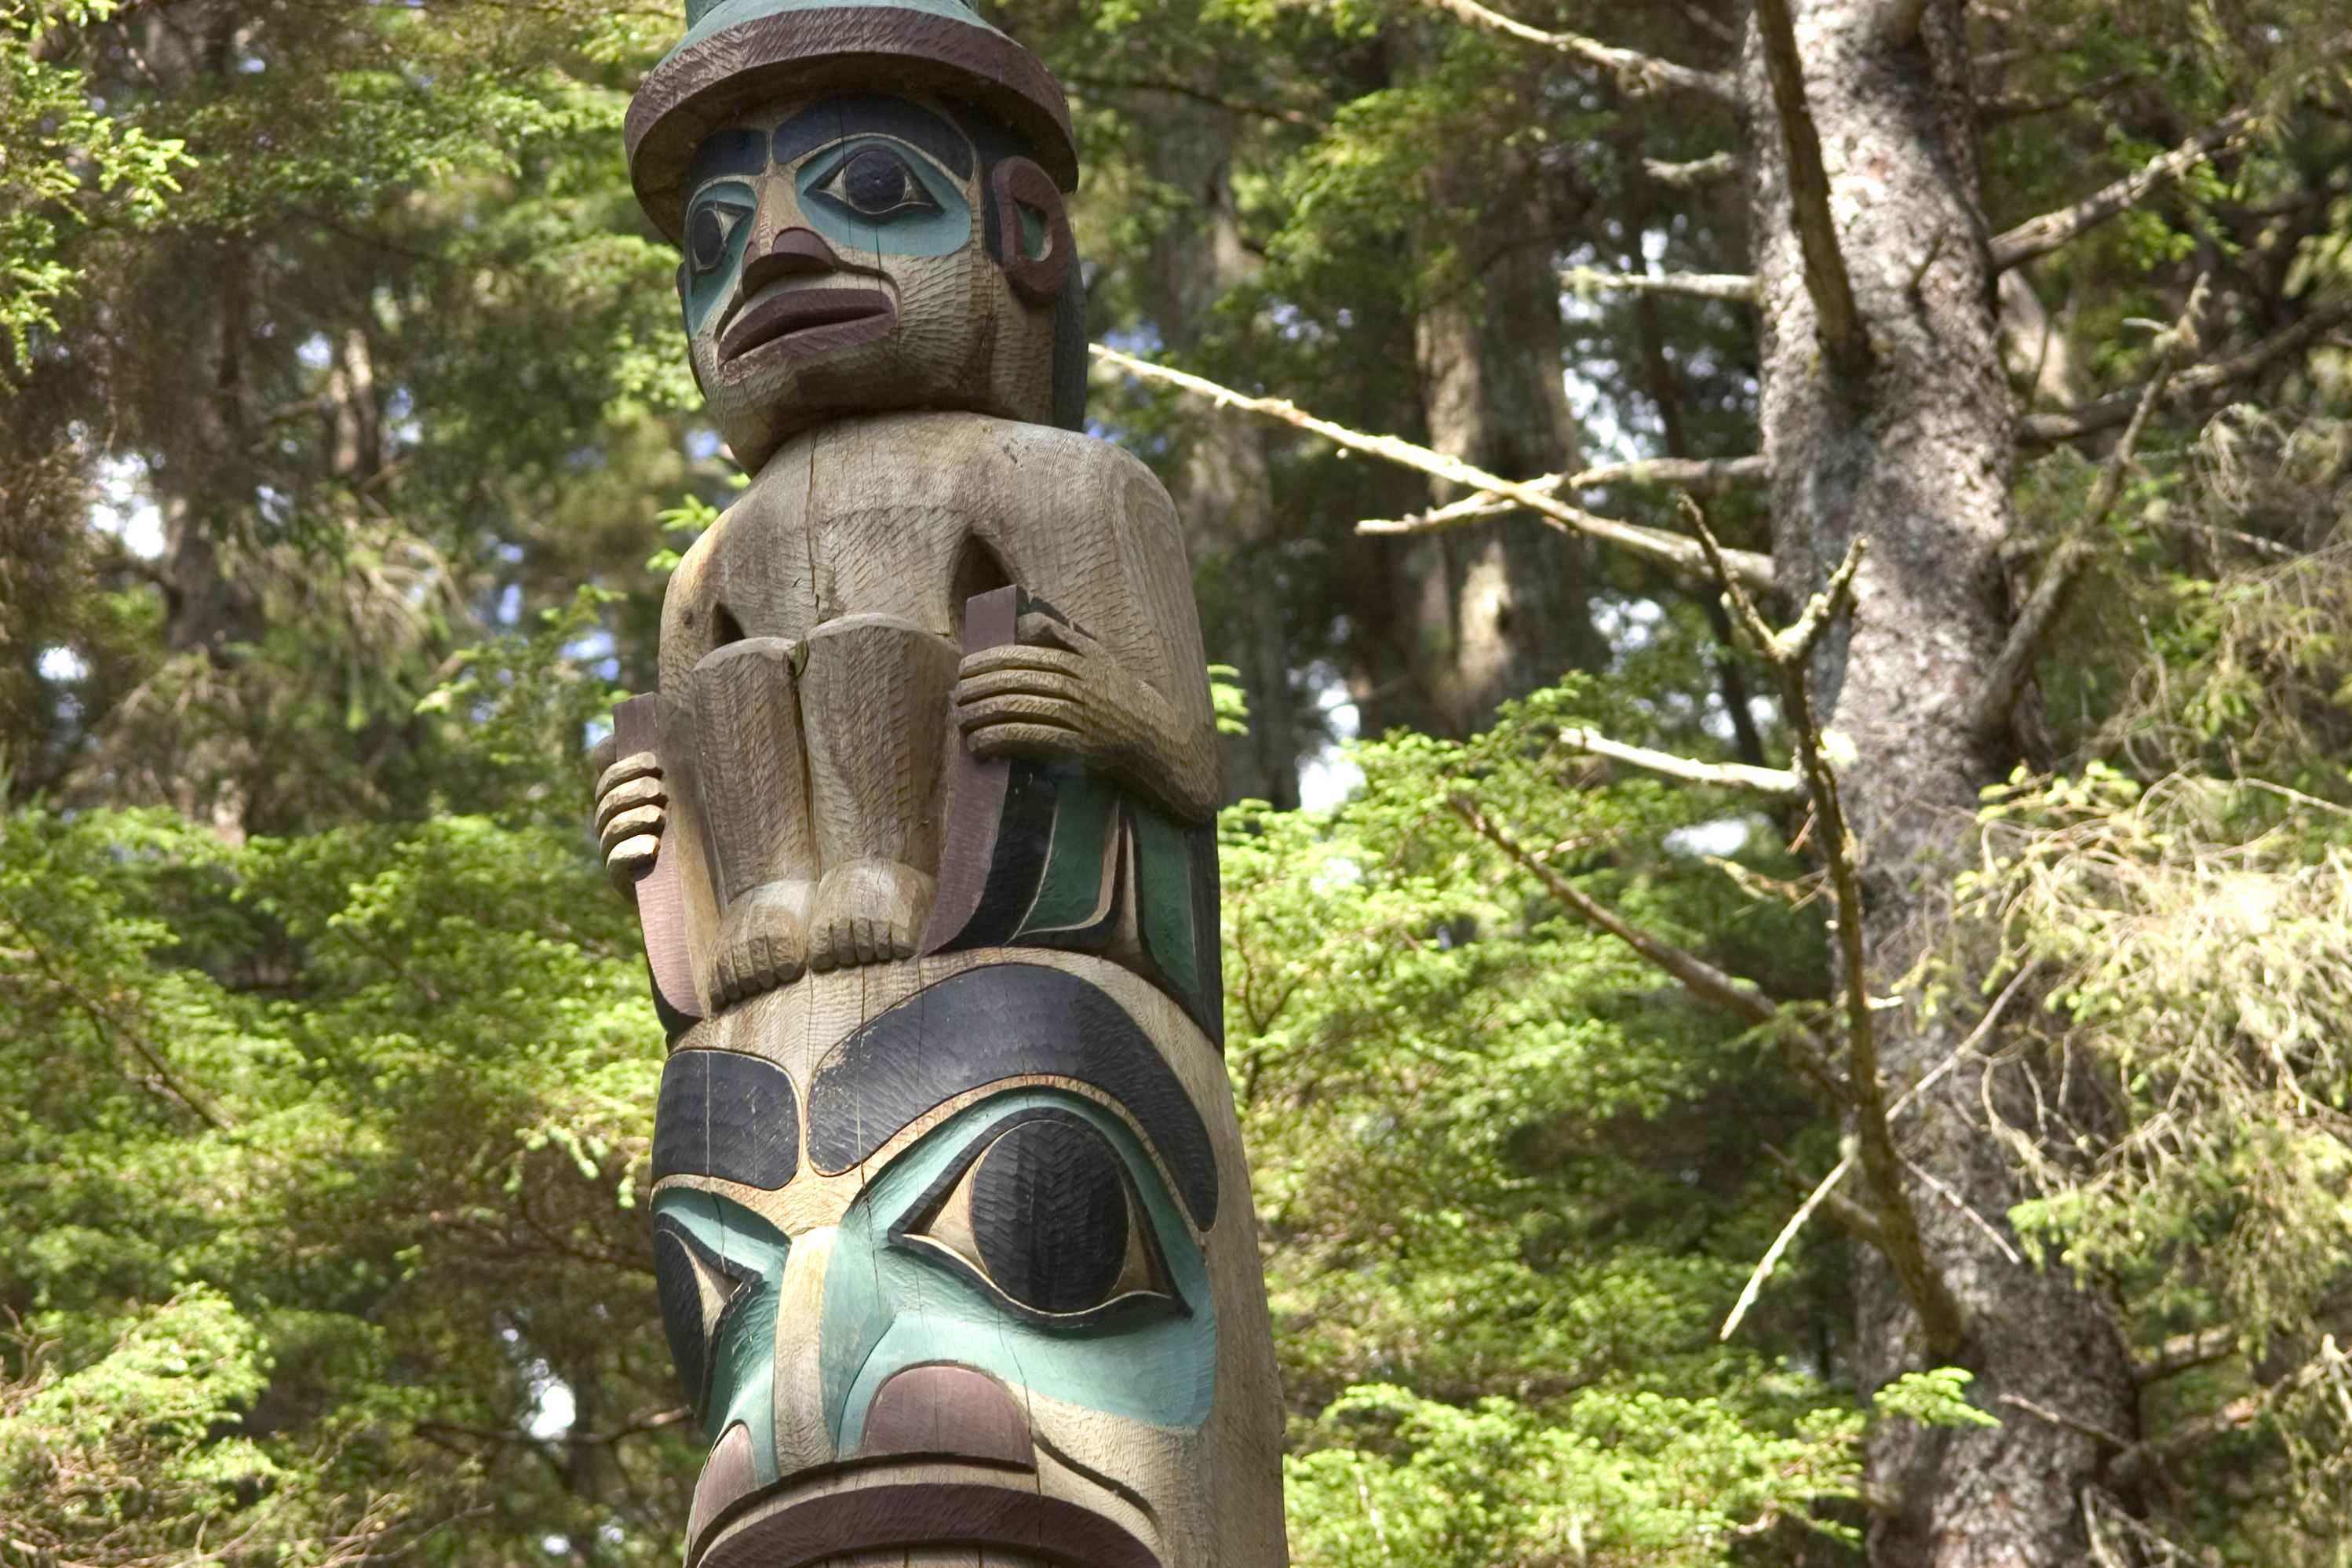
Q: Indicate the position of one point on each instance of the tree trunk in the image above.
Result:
(1221, 486)
(1915, 450)
(1494, 611)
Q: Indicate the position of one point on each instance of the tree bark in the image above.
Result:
(1491, 611)
(1221, 485)
(1914, 448)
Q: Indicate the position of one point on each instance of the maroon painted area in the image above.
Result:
(879, 47)
(948, 1412)
(727, 1479)
(804, 321)
(1018, 183)
(934, 1513)
(661, 905)
(976, 797)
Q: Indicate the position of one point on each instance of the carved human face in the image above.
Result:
(836, 260)
(957, 1283)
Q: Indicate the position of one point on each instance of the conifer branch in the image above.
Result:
(1738, 287)
(2010, 106)
(1755, 570)
(1775, 784)
(2235, 1416)
(2186, 1353)
(1789, 652)
(2198, 381)
(1637, 74)
(2005, 682)
(2041, 235)
(1706, 475)
(1837, 317)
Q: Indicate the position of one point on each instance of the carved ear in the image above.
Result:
(1033, 233)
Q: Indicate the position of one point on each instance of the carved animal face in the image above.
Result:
(957, 1282)
(862, 252)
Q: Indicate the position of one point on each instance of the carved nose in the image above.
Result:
(796, 252)
(950, 1412)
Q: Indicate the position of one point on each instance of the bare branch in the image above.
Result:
(1777, 784)
(1838, 318)
(2060, 1419)
(2038, 620)
(1698, 173)
(2186, 1353)
(1771, 1258)
(1199, 95)
(1707, 476)
(1738, 287)
(1636, 74)
(1844, 1211)
(2234, 1417)
(1738, 997)
(1790, 653)
(2201, 381)
(2041, 235)
(1656, 544)
(2010, 106)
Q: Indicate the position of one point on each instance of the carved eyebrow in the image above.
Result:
(855, 113)
(728, 153)
(1006, 1020)
(727, 1114)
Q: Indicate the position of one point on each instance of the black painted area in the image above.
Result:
(987, 1024)
(1049, 1215)
(727, 1115)
(692, 1333)
(873, 113)
(728, 153)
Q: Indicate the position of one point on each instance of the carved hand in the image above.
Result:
(1058, 693)
(628, 815)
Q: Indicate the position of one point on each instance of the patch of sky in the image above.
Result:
(401, 427)
(61, 664)
(509, 609)
(275, 505)
(702, 445)
(1141, 341)
(315, 351)
(1631, 626)
(507, 550)
(595, 651)
(1723, 837)
(123, 507)
(1328, 775)
(553, 1407)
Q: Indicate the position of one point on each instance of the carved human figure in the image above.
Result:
(952, 1226)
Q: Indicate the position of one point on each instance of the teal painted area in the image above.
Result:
(1166, 901)
(940, 233)
(704, 292)
(704, 19)
(888, 1308)
(1073, 882)
(744, 1360)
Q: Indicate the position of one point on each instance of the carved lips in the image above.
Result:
(803, 321)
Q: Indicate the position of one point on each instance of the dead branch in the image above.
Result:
(1837, 317)
(1738, 287)
(1637, 75)
(1656, 544)
(2199, 382)
(1703, 476)
(1199, 95)
(2041, 235)
(2186, 1353)
(2038, 621)
(1789, 652)
(2235, 1416)
(2060, 1419)
(1693, 176)
(1844, 1211)
(1772, 1254)
(1991, 111)
(1775, 784)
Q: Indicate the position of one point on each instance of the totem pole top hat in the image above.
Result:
(740, 53)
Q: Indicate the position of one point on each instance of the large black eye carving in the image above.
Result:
(877, 182)
(707, 229)
(1046, 1216)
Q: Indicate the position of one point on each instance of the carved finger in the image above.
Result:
(1039, 630)
(1018, 708)
(630, 796)
(1051, 684)
(632, 858)
(605, 753)
(637, 764)
(1033, 741)
(1013, 656)
(628, 825)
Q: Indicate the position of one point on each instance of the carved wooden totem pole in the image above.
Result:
(952, 1226)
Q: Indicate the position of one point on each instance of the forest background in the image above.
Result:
(346, 438)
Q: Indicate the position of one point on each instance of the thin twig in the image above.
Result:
(1737, 288)
(2005, 682)
(1707, 476)
(2197, 382)
(1967, 1210)
(1754, 570)
(1772, 1259)
(2041, 235)
(1777, 784)
(1637, 74)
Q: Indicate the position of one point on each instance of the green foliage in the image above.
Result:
(1934, 1398)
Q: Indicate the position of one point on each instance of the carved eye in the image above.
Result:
(877, 182)
(707, 229)
(1045, 1217)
